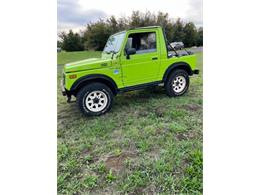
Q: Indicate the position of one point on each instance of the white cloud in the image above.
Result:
(175, 8)
(77, 13)
(195, 12)
(71, 15)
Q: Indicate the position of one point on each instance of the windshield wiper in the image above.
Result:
(109, 52)
(113, 53)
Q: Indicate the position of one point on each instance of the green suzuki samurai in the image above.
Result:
(131, 60)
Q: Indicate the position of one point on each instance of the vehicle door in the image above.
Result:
(143, 66)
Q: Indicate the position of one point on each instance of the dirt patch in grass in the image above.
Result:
(143, 113)
(153, 154)
(191, 107)
(116, 162)
(160, 111)
(151, 189)
(185, 135)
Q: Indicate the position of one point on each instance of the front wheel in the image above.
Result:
(177, 83)
(95, 99)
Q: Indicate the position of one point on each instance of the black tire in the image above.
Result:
(87, 91)
(177, 74)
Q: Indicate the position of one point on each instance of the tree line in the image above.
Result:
(95, 35)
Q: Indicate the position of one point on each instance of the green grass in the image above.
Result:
(148, 143)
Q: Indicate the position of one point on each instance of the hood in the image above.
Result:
(88, 64)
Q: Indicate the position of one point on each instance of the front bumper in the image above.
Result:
(196, 71)
(65, 92)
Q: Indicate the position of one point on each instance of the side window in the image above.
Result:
(142, 42)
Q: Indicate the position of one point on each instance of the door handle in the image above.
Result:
(155, 58)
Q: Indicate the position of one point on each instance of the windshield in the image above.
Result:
(114, 43)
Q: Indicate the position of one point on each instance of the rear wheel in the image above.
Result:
(95, 99)
(177, 83)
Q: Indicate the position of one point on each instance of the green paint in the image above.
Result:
(139, 69)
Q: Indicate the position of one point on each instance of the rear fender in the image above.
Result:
(178, 65)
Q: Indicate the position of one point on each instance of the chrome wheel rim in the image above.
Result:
(179, 84)
(96, 101)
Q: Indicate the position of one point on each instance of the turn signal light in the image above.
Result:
(73, 76)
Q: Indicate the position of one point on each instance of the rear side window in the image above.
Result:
(142, 42)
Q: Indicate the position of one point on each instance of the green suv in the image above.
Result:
(131, 60)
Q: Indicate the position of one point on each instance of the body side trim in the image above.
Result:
(138, 87)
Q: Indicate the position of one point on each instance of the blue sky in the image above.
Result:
(74, 14)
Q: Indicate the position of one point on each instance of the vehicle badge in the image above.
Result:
(116, 71)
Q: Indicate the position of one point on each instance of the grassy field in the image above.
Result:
(148, 143)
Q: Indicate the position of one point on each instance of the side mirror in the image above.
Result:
(130, 51)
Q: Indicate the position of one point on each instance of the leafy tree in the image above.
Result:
(199, 41)
(122, 23)
(113, 25)
(71, 41)
(148, 19)
(59, 44)
(135, 19)
(163, 20)
(190, 34)
(95, 35)
(178, 31)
